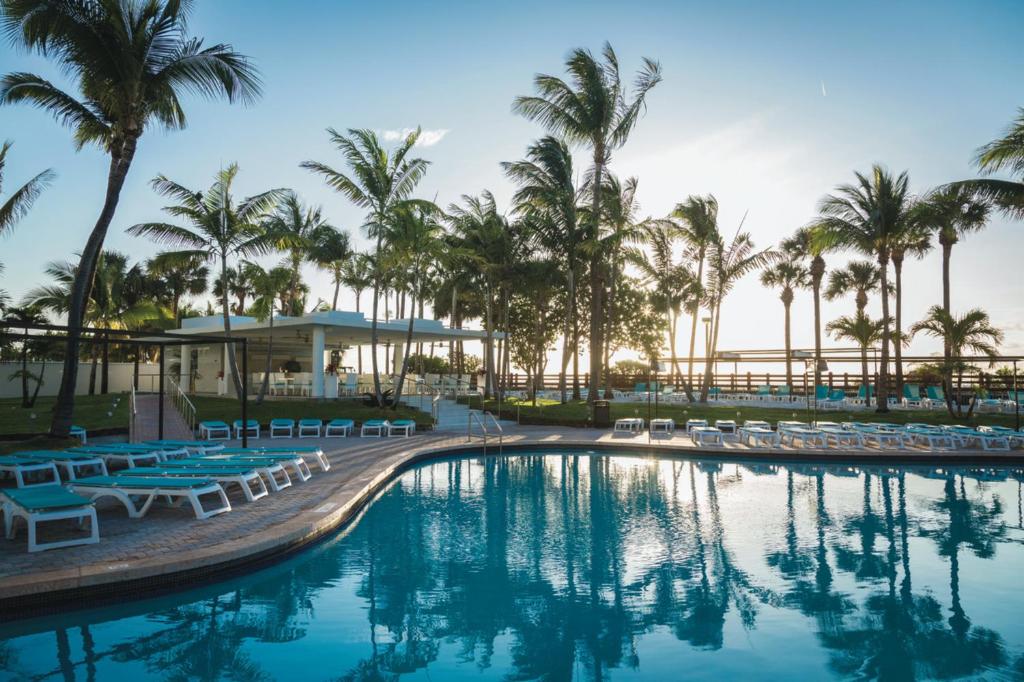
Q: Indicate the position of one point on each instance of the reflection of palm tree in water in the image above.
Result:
(865, 565)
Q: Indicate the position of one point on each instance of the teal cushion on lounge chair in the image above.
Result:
(311, 422)
(143, 482)
(764, 390)
(249, 423)
(228, 469)
(837, 394)
(44, 497)
(214, 424)
(640, 388)
(341, 422)
(935, 393)
(783, 390)
(912, 392)
(282, 422)
(53, 455)
(375, 422)
(13, 461)
(403, 422)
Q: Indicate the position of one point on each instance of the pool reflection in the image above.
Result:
(561, 567)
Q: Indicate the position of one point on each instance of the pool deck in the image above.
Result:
(169, 548)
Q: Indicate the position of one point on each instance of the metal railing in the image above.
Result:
(423, 388)
(481, 417)
(186, 408)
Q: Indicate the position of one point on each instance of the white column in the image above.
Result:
(318, 362)
(186, 367)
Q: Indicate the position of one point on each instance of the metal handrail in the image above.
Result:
(184, 405)
(497, 425)
(423, 387)
(481, 419)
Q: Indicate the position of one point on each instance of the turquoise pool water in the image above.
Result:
(556, 566)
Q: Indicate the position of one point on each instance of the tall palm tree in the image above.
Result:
(132, 62)
(868, 216)
(219, 228)
(971, 332)
(178, 277)
(1005, 153)
(859, 277)
(27, 315)
(593, 110)
(415, 235)
(786, 275)
(299, 231)
(267, 286)
(333, 252)
(357, 275)
(863, 331)
(803, 245)
(18, 204)
(952, 212)
(547, 198)
(696, 221)
(914, 240)
(379, 182)
(727, 264)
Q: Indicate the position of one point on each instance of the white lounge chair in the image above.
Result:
(806, 437)
(47, 503)
(374, 427)
(339, 428)
(628, 425)
(666, 426)
(73, 463)
(758, 436)
(282, 428)
(131, 490)
(214, 430)
(706, 435)
(24, 470)
(246, 478)
(251, 426)
(692, 424)
(80, 433)
(402, 426)
(310, 428)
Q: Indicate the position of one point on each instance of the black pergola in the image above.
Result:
(55, 332)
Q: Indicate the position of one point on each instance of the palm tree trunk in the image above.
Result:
(816, 288)
(489, 350)
(337, 290)
(693, 327)
(359, 348)
(864, 375)
(373, 325)
(270, 355)
(789, 354)
(596, 284)
(405, 360)
(24, 372)
(947, 253)
(610, 319)
(39, 383)
(570, 306)
(120, 163)
(232, 363)
(882, 393)
(716, 313)
(897, 264)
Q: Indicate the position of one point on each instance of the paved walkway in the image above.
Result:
(170, 540)
(147, 419)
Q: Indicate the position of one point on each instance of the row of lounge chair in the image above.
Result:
(306, 428)
(845, 435)
(199, 474)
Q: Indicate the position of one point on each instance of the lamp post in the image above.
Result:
(707, 342)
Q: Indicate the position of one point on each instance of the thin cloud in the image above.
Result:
(428, 138)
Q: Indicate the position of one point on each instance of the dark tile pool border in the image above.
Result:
(47, 593)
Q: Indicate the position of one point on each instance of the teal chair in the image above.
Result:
(784, 392)
(821, 393)
(912, 395)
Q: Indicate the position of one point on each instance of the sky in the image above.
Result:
(768, 106)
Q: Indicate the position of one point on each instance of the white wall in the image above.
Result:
(120, 377)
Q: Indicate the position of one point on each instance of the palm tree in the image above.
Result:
(863, 331)
(18, 204)
(357, 275)
(1005, 153)
(219, 228)
(868, 217)
(132, 62)
(22, 316)
(727, 265)
(594, 111)
(913, 239)
(696, 221)
(300, 231)
(267, 286)
(971, 332)
(859, 277)
(379, 182)
(786, 275)
(547, 199)
(415, 239)
(803, 245)
(333, 252)
(178, 277)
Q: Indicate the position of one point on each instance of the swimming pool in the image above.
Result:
(576, 565)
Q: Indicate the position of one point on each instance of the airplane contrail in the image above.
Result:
(824, 93)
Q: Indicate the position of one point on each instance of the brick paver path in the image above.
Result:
(147, 419)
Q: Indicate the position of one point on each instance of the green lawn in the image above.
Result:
(578, 413)
(229, 409)
(91, 411)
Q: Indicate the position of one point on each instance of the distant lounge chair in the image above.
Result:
(706, 435)
(213, 430)
(286, 426)
(80, 433)
(71, 462)
(48, 503)
(129, 456)
(310, 428)
(403, 426)
(629, 425)
(758, 436)
(339, 428)
(666, 426)
(373, 427)
(936, 397)
(133, 490)
(20, 467)
(912, 396)
(252, 427)
(821, 393)
(784, 393)
(835, 400)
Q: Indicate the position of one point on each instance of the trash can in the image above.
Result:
(602, 414)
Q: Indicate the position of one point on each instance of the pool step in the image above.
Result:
(451, 416)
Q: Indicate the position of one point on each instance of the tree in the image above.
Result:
(858, 277)
(219, 229)
(414, 235)
(803, 245)
(726, 266)
(379, 182)
(863, 331)
(357, 275)
(1006, 152)
(696, 221)
(786, 275)
(971, 332)
(547, 199)
(303, 233)
(178, 277)
(591, 110)
(267, 286)
(132, 62)
(333, 252)
(912, 239)
(37, 347)
(868, 216)
(18, 204)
